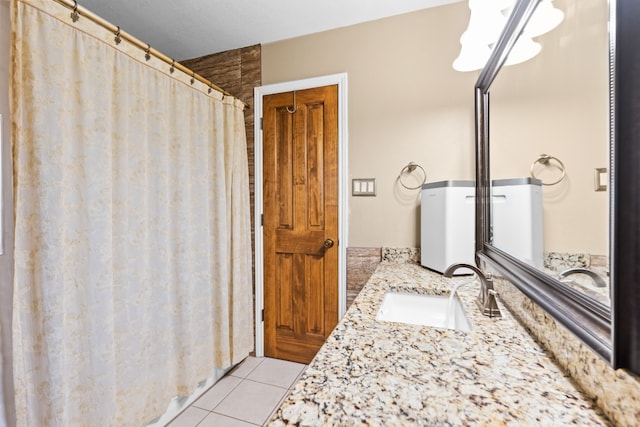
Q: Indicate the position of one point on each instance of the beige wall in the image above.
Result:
(406, 104)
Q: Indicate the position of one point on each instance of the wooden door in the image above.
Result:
(300, 223)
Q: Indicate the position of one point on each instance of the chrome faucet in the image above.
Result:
(597, 280)
(487, 298)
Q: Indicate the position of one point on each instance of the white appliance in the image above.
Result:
(447, 225)
(517, 218)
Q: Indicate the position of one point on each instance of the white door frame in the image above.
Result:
(259, 92)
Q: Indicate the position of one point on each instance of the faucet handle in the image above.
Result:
(489, 306)
(489, 281)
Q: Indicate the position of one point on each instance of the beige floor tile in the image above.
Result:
(215, 394)
(281, 373)
(217, 420)
(251, 401)
(245, 367)
(189, 418)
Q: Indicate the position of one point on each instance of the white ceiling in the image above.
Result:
(191, 28)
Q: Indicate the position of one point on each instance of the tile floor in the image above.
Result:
(246, 396)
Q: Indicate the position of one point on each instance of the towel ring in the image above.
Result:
(409, 169)
(545, 160)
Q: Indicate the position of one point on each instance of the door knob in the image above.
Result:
(328, 243)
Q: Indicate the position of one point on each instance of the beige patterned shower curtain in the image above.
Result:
(132, 248)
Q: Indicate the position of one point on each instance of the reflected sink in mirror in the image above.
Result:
(426, 310)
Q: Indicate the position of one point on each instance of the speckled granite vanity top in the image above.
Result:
(393, 374)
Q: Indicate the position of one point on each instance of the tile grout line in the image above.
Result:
(289, 390)
(262, 382)
(254, 368)
(244, 379)
(210, 411)
(230, 417)
(223, 398)
(275, 409)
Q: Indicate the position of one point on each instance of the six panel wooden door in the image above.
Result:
(300, 224)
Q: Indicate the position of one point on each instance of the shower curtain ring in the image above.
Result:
(117, 38)
(210, 89)
(147, 52)
(172, 69)
(75, 15)
(193, 77)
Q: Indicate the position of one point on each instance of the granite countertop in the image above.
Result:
(393, 374)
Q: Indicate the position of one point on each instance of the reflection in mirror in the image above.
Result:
(549, 138)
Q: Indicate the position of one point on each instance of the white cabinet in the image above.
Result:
(447, 225)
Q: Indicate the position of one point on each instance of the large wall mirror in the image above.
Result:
(558, 161)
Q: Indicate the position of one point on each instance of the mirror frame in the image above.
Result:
(611, 332)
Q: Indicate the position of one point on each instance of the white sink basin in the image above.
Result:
(427, 310)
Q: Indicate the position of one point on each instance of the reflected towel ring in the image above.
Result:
(409, 169)
(545, 160)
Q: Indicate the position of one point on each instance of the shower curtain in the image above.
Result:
(132, 236)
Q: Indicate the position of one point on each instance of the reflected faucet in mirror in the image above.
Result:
(597, 280)
(487, 298)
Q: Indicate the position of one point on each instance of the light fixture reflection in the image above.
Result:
(472, 57)
(486, 23)
(523, 50)
(545, 18)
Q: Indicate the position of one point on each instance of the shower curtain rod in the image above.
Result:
(82, 11)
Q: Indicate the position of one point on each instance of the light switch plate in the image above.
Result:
(600, 179)
(363, 187)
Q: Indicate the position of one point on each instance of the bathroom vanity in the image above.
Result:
(372, 372)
